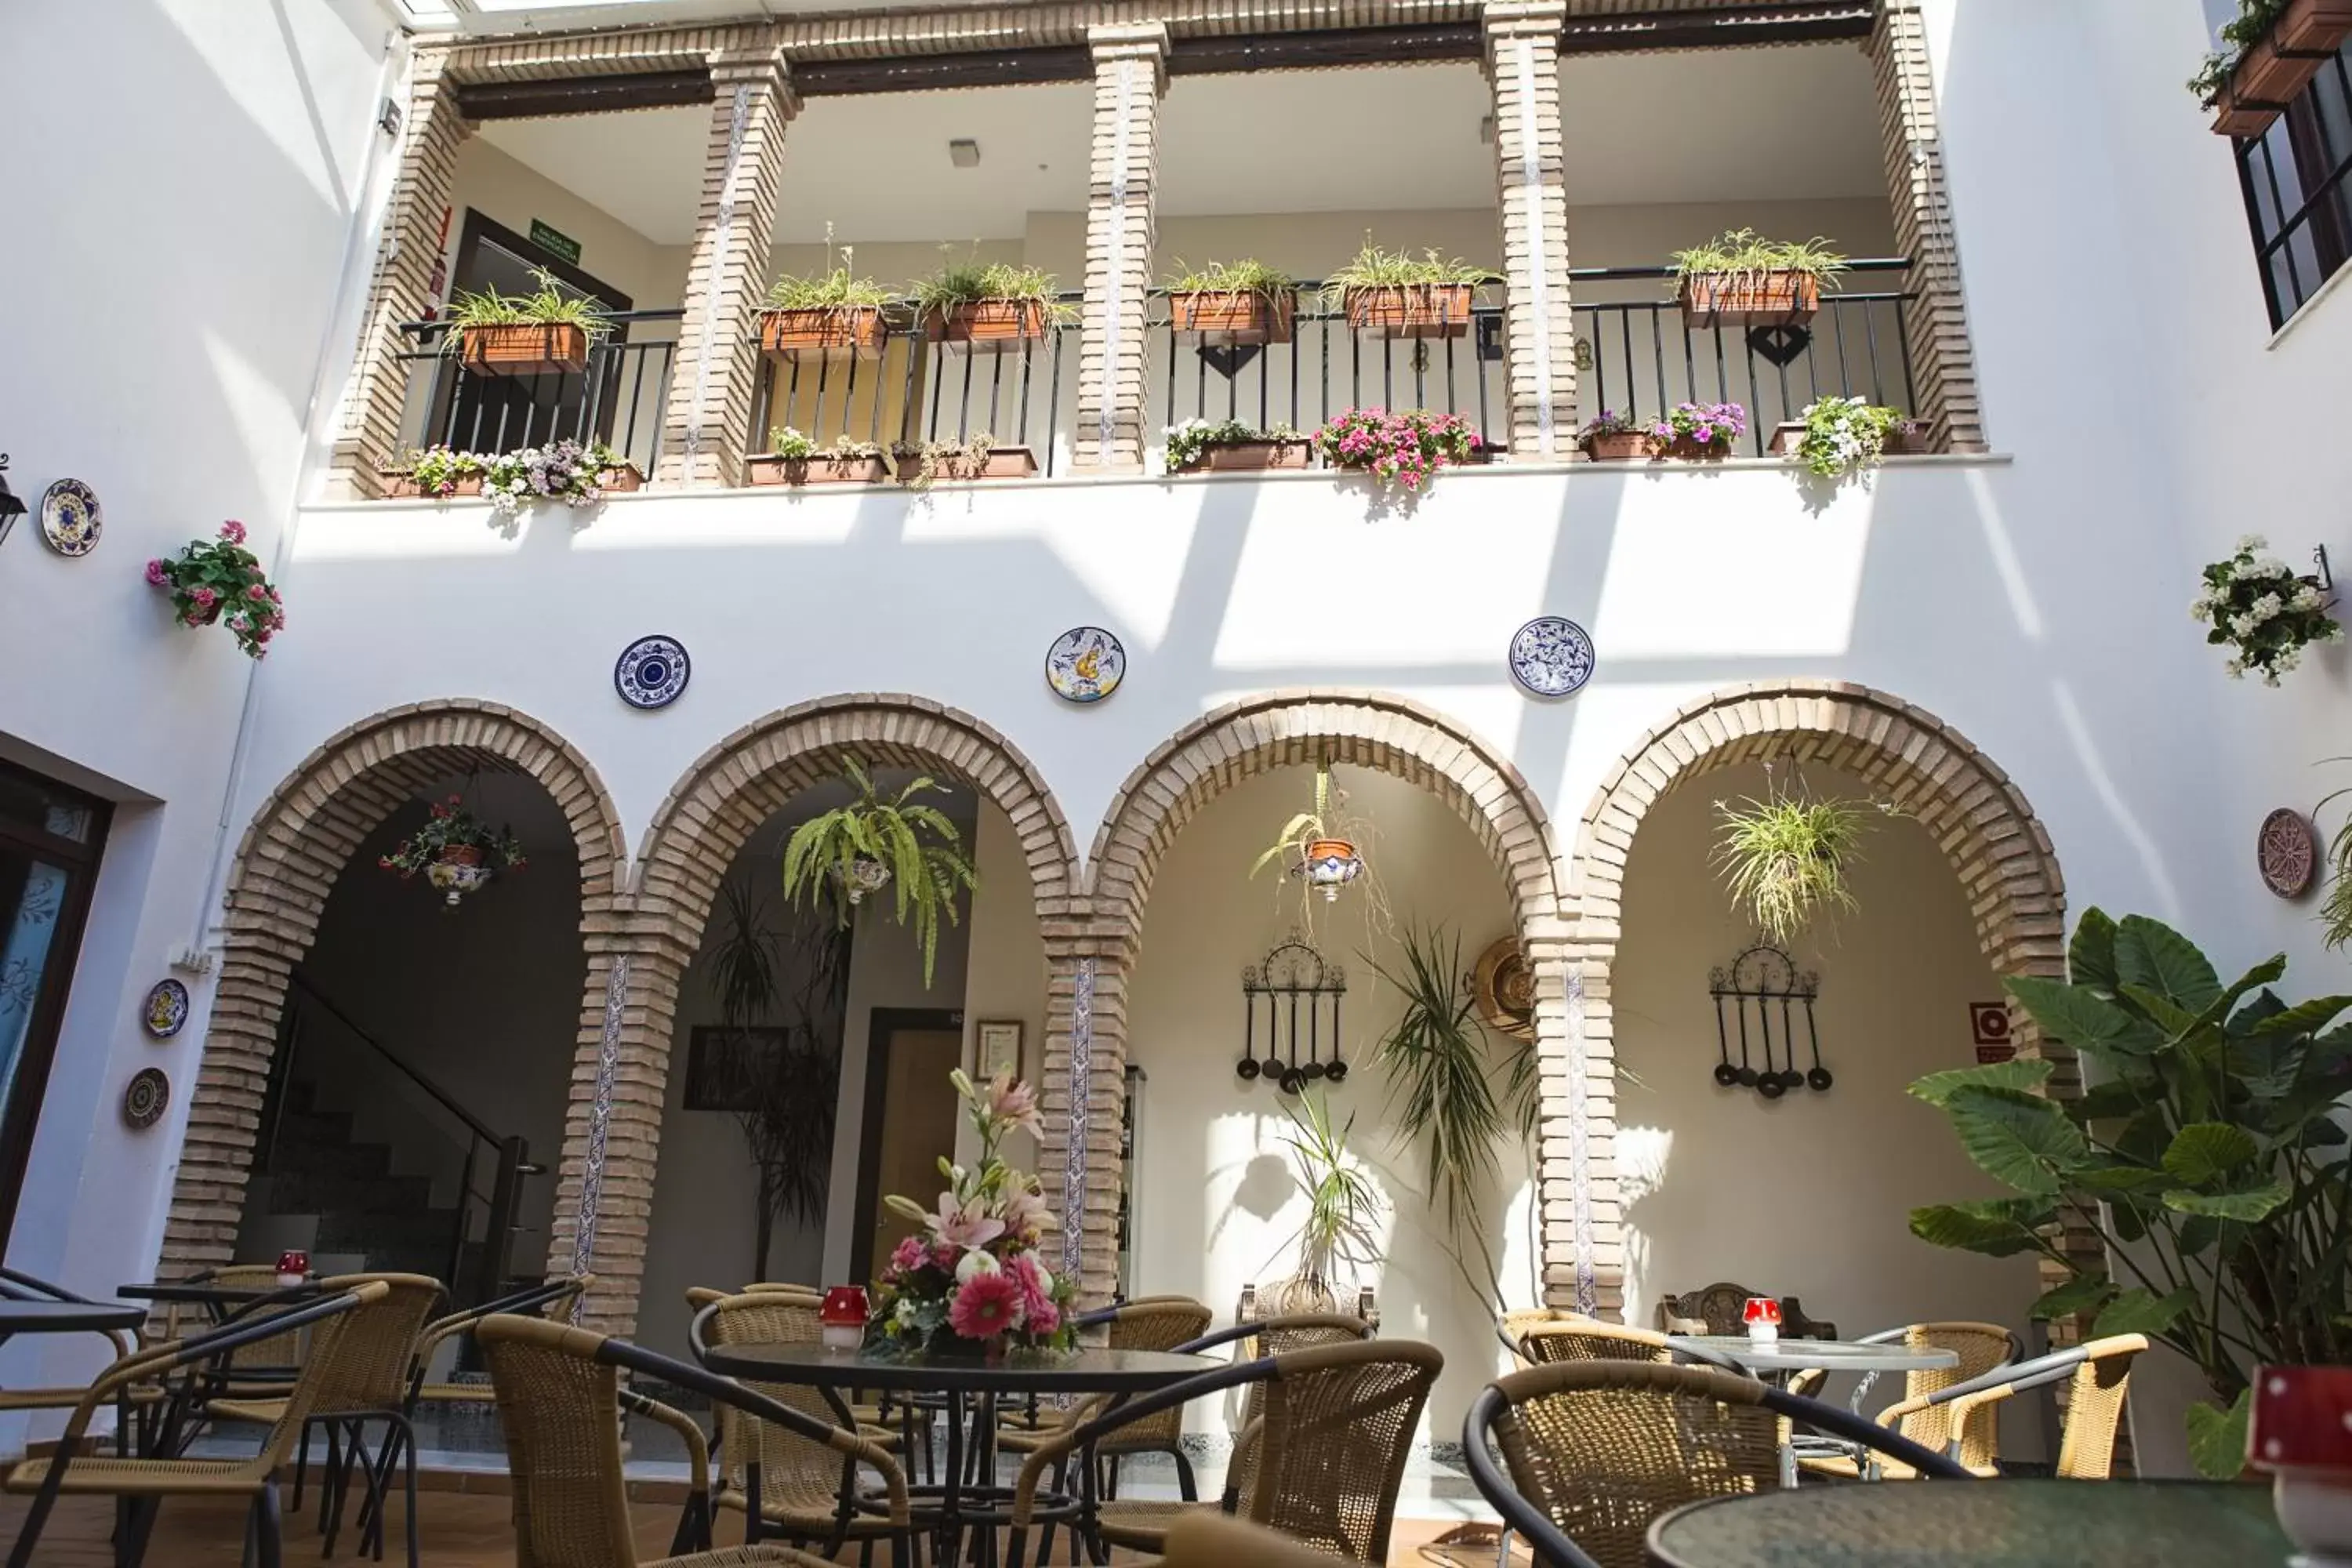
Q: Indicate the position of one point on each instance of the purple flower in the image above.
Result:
(157, 574)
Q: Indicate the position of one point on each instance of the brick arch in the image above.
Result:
(613, 1133)
(297, 845)
(1975, 812)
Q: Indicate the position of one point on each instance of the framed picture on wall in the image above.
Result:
(998, 1044)
(724, 1066)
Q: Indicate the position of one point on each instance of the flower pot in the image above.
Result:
(1689, 449)
(986, 322)
(774, 470)
(621, 480)
(1903, 443)
(864, 877)
(398, 485)
(1750, 299)
(2279, 67)
(1004, 463)
(1787, 436)
(1618, 447)
(1251, 456)
(534, 348)
(460, 855)
(845, 332)
(457, 871)
(1234, 318)
(1330, 865)
(1411, 309)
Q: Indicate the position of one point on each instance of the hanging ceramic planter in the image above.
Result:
(864, 876)
(457, 870)
(458, 852)
(1331, 864)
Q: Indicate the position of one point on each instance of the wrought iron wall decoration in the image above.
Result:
(1769, 999)
(1290, 1002)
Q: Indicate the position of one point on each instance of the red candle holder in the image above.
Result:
(293, 1268)
(2300, 1429)
(842, 1315)
(1763, 1316)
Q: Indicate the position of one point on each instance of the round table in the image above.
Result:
(971, 1389)
(1982, 1524)
(1782, 1356)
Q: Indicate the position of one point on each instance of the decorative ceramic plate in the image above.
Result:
(144, 1097)
(1551, 656)
(2288, 852)
(652, 672)
(1085, 664)
(70, 519)
(167, 1009)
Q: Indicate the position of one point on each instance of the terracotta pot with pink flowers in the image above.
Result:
(219, 581)
(971, 1280)
(1401, 449)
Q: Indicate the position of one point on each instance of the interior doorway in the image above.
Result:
(909, 1123)
(504, 412)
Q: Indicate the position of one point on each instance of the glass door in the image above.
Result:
(50, 842)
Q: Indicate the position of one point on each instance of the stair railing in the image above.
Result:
(506, 1157)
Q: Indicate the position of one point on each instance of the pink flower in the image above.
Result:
(157, 574)
(943, 1257)
(1036, 1290)
(1013, 1103)
(908, 1255)
(1044, 1318)
(1025, 1215)
(205, 597)
(985, 1306)
(970, 1224)
(233, 532)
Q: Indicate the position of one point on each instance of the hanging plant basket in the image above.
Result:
(456, 851)
(459, 872)
(1330, 864)
(528, 348)
(1771, 299)
(987, 322)
(1234, 316)
(863, 877)
(1411, 309)
(835, 332)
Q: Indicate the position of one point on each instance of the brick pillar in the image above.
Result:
(1086, 1038)
(1523, 69)
(1935, 324)
(1130, 73)
(714, 380)
(431, 133)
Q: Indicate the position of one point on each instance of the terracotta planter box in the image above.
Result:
(852, 331)
(1788, 438)
(1624, 447)
(987, 322)
(1683, 449)
(553, 347)
(1412, 311)
(2275, 70)
(1750, 299)
(1004, 463)
(403, 487)
(1234, 318)
(622, 480)
(773, 471)
(1252, 458)
(1907, 444)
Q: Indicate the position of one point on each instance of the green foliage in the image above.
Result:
(1248, 276)
(2217, 1438)
(2251, 26)
(1742, 253)
(1785, 858)
(219, 580)
(1843, 434)
(783, 441)
(1303, 830)
(1374, 268)
(1189, 441)
(450, 825)
(548, 305)
(971, 280)
(932, 458)
(2207, 1156)
(435, 470)
(915, 844)
(1341, 1200)
(838, 288)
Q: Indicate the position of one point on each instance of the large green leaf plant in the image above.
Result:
(2206, 1154)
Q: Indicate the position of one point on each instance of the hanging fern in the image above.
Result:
(916, 848)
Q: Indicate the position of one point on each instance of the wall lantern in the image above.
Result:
(11, 509)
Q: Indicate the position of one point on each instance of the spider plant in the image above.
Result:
(1744, 253)
(1341, 1200)
(548, 305)
(1375, 267)
(971, 280)
(1323, 821)
(837, 288)
(1785, 859)
(1249, 276)
(917, 850)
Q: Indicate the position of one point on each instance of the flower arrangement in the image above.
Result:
(457, 851)
(2262, 611)
(1405, 448)
(1698, 429)
(564, 470)
(1190, 442)
(1843, 433)
(217, 578)
(436, 470)
(972, 1280)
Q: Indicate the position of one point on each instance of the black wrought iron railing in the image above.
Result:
(2297, 178)
(616, 398)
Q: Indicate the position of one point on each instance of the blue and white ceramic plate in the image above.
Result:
(652, 672)
(1551, 656)
(167, 1009)
(70, 519)
(1085, 664)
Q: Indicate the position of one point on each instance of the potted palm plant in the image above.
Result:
(548, 331)
(833, 314)
(841, 856)
(1233, 302)
(1403, 296)
(1742, 279)
(967, 302)
(1342, 1205)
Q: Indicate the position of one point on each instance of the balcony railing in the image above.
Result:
(1635, 356)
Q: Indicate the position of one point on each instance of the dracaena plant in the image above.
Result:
(2206, 1154)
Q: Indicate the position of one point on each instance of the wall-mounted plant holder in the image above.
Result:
(1290, 1001)
(1762, 1000)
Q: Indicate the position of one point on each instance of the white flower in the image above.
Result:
(2334, 633)
(973, 1263)
(2270, 566)
(2242, 626)
(905, 1313)
(2203, 609)
(2237, 671)
(2270, 678)
(2249, 543)
(2267, 607)
(2287, 658)
(2306, 598)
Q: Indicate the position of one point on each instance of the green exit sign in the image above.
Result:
(555, 242)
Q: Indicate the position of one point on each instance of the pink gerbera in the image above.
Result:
(985, 1306)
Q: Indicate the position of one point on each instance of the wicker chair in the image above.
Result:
(17, 1287)
(1214, 1541)
(1721, 1306)
(1546, 1343)
(1148, 1323)
(374, 1372)
(1329, 1447)
(803, 1476)
(1596, 1450)
(1982, 1347)
(142, 1483)
(2100, 1376)
(551, 1298)
(560, 1400)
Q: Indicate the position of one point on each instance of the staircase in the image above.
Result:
(339, 1201)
